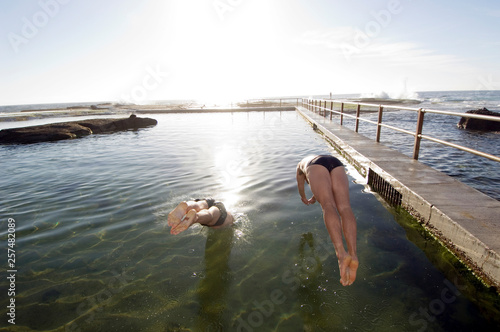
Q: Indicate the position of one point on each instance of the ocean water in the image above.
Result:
(94, 253)
(478, 172)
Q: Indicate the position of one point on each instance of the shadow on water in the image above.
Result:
(213, 288)
(310, 269)
(319, 305)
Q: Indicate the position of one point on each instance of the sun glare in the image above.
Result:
(230, 163)
(222, 60)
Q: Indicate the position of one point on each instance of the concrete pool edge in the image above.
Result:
(80, 112)
(462, 218)
(217, 110)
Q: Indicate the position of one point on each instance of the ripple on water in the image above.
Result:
(95, 251)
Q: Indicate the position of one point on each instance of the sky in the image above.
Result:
(135, 51)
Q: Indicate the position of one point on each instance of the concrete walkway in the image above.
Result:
(464, 219)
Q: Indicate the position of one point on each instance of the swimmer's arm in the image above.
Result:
(301, 179)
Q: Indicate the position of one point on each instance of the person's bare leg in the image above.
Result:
(321, 187)
(176, 215)
(340, 185)
(204, 217)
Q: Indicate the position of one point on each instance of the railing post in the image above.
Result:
(357, 117)
(341, 113)
(418, 134)
(331, 109)
(379, 122)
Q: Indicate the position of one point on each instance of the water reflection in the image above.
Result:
(213, 288)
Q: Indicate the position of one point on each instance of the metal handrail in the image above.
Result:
(316, 105)
(466, 115)
(456, 146)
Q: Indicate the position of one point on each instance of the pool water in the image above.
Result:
(94, 252)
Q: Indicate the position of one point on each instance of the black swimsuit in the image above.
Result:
(327, 161)
(223, 213)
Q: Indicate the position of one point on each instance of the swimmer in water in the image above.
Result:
(328, 181)
(204, 211)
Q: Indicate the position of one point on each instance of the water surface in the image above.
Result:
(94, 252)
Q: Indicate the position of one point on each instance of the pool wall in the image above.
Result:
(465, 220)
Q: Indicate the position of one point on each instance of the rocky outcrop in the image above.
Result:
(74, 129)
(100, 126)
(479, 124)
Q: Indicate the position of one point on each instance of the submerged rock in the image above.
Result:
(479, 124)
(74, 129)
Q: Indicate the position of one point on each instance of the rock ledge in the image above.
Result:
(73, 129)
(479, 124)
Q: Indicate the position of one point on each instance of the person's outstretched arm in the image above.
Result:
(301, 179)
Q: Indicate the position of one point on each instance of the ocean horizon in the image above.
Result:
(454, 100)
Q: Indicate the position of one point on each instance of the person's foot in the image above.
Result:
(348, 268)
(188, 220)
(175, 216)
(352, 269)
(343, 266)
